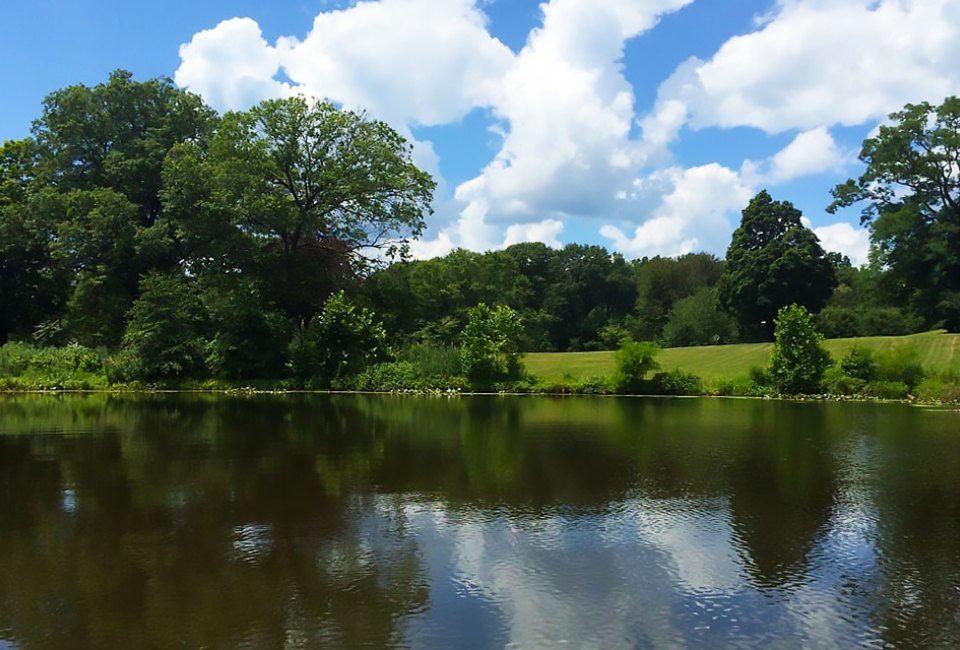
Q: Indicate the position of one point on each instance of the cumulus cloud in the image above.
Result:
(846, 239)
(231, 65)
(564, 111)
(567, 113)
(811, 152)
(407, 61)
(546, 231)
(692, 215)
(824, 62)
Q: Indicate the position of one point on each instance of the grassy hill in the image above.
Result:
(937, 351)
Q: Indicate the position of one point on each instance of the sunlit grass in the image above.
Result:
(937, 351)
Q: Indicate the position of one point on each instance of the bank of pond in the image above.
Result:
(921, 368)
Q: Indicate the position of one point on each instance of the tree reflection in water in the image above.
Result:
(302, 521)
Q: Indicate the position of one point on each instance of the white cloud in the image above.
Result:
(692, 215)
(846, 239)
(811, 152)
(231, 65)
(824, 62)
(406, 61)
(545, 231)
(567, 114)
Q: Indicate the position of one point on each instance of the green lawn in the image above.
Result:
(935, 350)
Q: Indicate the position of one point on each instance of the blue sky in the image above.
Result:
(641, 125)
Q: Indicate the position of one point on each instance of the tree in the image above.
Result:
(490, 345)
(773, 261)
(911, 190)
(799, 358)
(164, 335)
(698, 320)
(634, 359)
(322, 191)
(663, 281)
(341, 340)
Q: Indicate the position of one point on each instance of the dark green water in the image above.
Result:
(480, 522)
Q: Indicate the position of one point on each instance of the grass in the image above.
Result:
(936, 351)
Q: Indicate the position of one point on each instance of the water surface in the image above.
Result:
(476, 522)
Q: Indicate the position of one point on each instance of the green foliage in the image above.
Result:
(738, 387)
(341, 341)
(634, 359)
(799, 358)
(664, 281)
(773, 261)
(72, 367)
(698, 320)
(845, 322)
(859, 363)
(490, 345)
(883, 389)
(942, 387)
(432, 360)
(164, 339)
(676, 382)
(899, 365)
(248, 340)
(911, 193)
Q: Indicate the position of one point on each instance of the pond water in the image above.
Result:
(476, 522)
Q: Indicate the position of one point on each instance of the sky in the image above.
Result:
(644, 126)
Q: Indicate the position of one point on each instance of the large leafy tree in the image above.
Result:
(86, 191)
(773, 261)
(321, 191)
(911, 191)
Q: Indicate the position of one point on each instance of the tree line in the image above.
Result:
(265, 243)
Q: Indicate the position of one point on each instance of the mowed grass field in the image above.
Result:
(937, 351)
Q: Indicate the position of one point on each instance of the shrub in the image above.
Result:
(886, 389)
(738, 387)
(836, 382)
(944, 387)
(163, 329)
(676, 382)
(799, 358)
(490, 345)
(899, 365)
(341, 341)
(432, 359)
(385, 377)
(858, 363)
(634, 359)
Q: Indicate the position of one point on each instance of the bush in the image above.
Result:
(739, 387)
(836, 382)
(634, 359)
(384, 377)
(899, 365)
(944, 387)
(73, 367)
(886, 389)
(799, 358)
(163, 334)
(858, 363)
(676, 382)
(341, 341)
(490, 345)
(432, 359)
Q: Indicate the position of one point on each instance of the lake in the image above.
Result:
(476, 522)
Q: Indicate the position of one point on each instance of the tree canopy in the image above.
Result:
(773, 261)
(911, 196)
